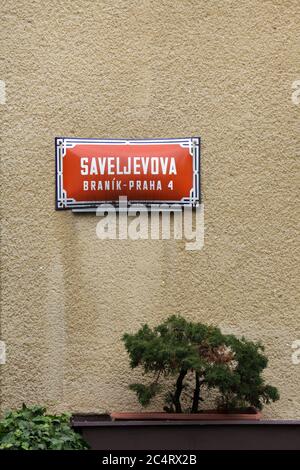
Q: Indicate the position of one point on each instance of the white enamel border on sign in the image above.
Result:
(62, 143)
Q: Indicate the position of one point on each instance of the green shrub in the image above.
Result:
(30, 428)
(230, 367)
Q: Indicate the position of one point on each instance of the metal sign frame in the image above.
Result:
(63, 202)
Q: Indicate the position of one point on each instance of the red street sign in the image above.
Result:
(90, 172)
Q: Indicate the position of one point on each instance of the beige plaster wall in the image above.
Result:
(142, 68)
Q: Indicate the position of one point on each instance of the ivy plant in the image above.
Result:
(30, 428)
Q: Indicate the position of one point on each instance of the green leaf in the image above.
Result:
(30, 428)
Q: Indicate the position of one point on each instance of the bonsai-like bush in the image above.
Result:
(198, 353)
(32, 429)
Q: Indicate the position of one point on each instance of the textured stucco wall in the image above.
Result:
(143, 68)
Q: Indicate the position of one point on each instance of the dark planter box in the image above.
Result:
(104, 434)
